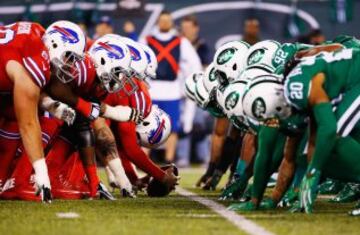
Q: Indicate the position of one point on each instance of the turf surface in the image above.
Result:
(172, 215)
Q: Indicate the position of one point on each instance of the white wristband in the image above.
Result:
(118, 113)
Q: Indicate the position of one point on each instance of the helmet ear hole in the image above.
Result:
(146, 123)
(278, 108)
(102, 61)
(234, 67)
(54, 45)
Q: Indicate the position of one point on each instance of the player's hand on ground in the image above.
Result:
(289, 198)
(213, 181)
(267, 204)
(203, 179)
(308, 190)
(234, 190)
(170, 179)
(243, 206)
(128, 193)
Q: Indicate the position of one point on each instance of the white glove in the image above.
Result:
(122, 114)
(59, 110)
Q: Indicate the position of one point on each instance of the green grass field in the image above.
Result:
(172, 215)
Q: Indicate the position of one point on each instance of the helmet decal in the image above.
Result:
(67, 35)
(256, 56)
(212, 74)
(135, 54)
(225, 55)
(113, 51)
(258, 107)
(147, 56)
(231, 100)
(156, 135)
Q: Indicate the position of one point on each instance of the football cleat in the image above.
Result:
(330, 186)
(104, 193)
(350, 193)
(45, 194)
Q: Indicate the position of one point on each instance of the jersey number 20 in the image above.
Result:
(296, 90)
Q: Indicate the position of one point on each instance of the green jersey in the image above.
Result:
(285, 53)
(341, 69)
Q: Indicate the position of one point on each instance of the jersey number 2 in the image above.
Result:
(6, 35)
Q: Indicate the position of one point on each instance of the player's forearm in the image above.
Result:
(325, 135)
(218, 138)
(286, 174)
(287, 168)
(30, 132)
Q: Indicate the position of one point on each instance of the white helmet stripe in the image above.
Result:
(84, 71)
(80, 73)
(143, 102)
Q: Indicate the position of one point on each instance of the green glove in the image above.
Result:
(289, 198)
(308, 190)
(233, 190)
(267, 204)
(243, 206)
(296, 207)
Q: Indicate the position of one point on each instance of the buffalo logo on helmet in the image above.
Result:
(256, 56)
(113, 51)
(231, 100)
(135, 54)
(67, 35)
(156, 134)
(225, 55)
(258, 107)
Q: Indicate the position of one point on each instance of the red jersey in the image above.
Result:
(125, 132)
(139, 100)
(22, 42)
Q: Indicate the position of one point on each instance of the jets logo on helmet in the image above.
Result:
(135, 54)
(256, 56)
(258, 107)
(113, 51)
(226, 55)
(67, 35)
(212, 74)
(156, 135)
(231, 100)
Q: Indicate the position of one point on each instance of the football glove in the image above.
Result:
(308, 190)
(289, 198)
(234, 190)
(267, 204)
(214, 180)
(123, 114)
(243, 206)
(45, 194)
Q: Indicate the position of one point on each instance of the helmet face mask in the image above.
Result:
(117, 80)
(67, 67)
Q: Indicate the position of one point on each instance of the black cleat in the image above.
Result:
(104, 193)
(45, 194)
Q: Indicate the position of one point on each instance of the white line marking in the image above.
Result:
(67, 215)
(239, 221)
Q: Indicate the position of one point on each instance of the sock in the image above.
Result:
(93, 179)
(119, 173)
(41, 173)
(109, 174)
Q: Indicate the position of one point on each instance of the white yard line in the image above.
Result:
(239, 221)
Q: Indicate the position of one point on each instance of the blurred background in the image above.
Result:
(207, 25)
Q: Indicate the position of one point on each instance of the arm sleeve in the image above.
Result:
(325, 134)
(189, 59)
(127, 137)
(266, 141)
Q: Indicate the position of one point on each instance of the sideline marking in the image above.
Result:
(239, 221)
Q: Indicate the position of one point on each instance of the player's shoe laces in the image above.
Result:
(104, 193)
(45, 194)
